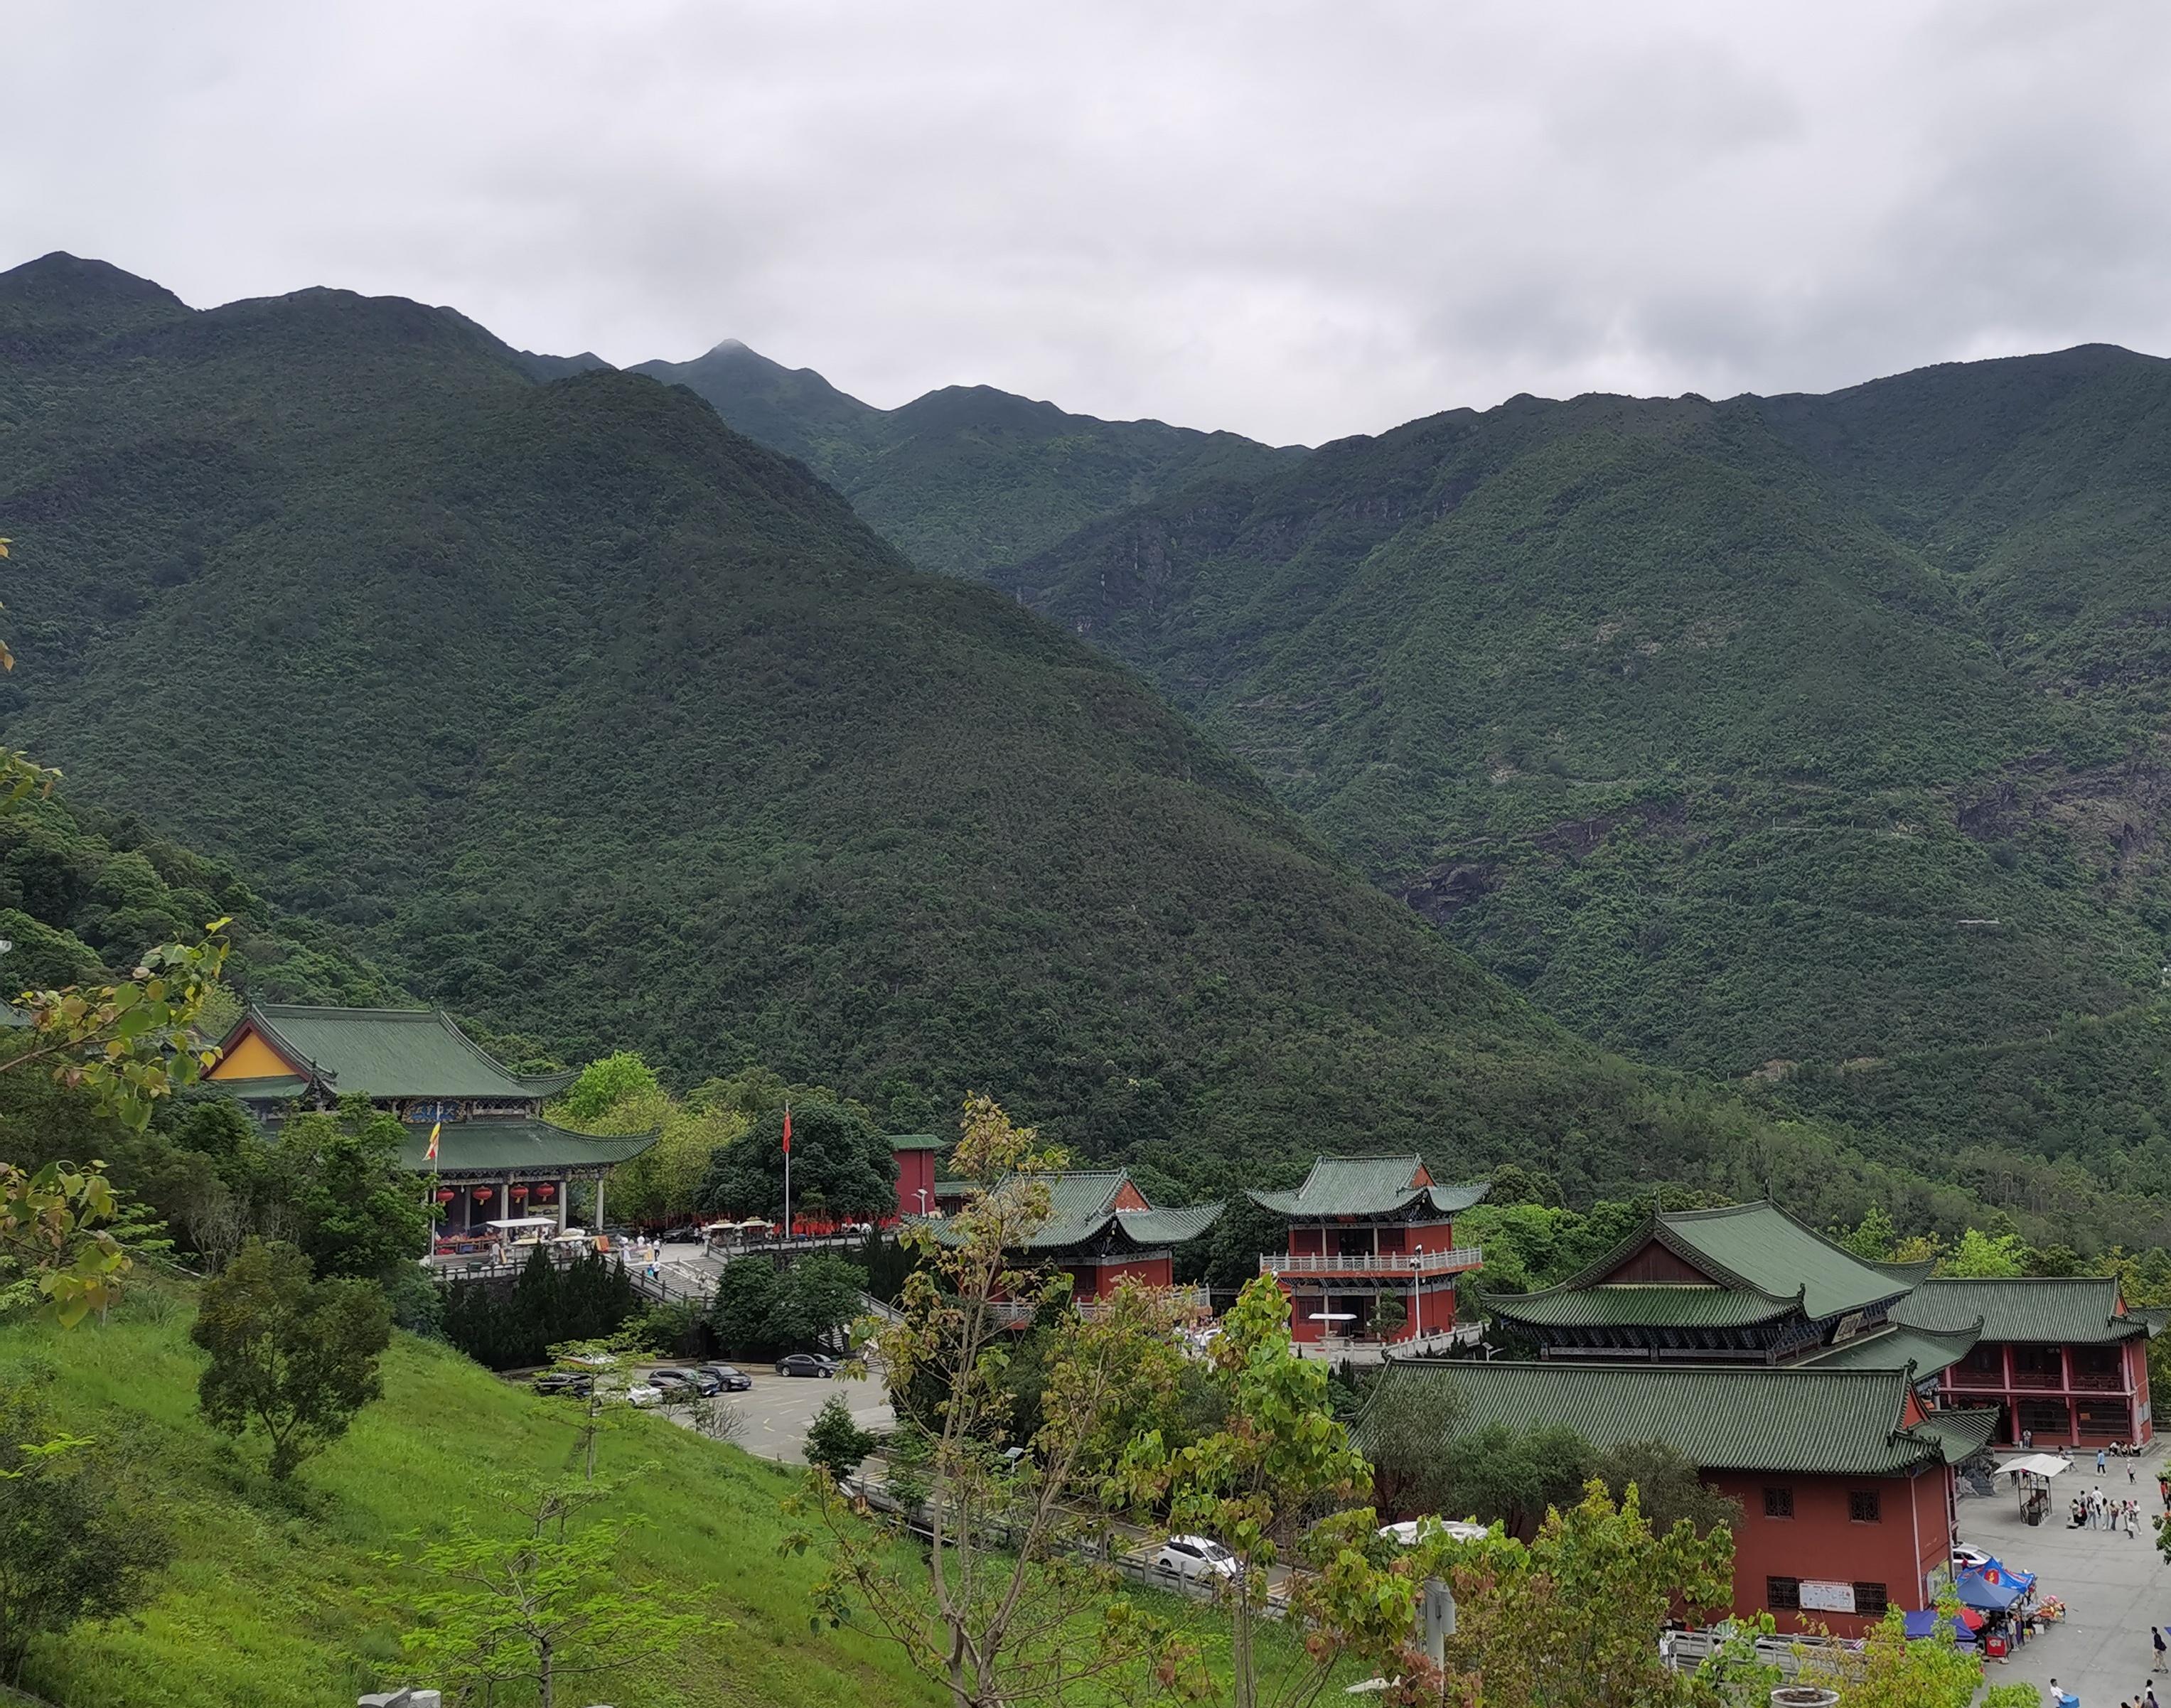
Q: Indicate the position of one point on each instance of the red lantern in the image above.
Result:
(446, 1195)
(520, 1192)
(483, 1195)
(546, 1192)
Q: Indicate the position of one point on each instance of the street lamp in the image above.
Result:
(1416, 1299)
(922, 1190)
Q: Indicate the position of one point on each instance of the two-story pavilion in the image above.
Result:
(2060, 1359)
(1102, 1231)
(1845, 1480)
(1363, 1231)
(497, 1158)
(1744, 1283)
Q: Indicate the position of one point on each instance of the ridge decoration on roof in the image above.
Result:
(2072, 1310)
(377, 1052)
(1756, 1263)
(1369, 1185)
(1802, 1421)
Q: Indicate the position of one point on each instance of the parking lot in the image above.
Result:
(779, 1408)
(2113, 1588)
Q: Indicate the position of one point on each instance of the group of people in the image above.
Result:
(2097, 1511)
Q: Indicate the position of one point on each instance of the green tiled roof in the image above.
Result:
(282, 1088)
(1368, 1186)
(1082, 1207)
(1962, 1434)
(393, 1052)
(1806, 1422)
(469, 1147)
(1756, 1252)
(2046, 1310)
(1169, 1226)
(915, 1141)
(1930, 1351)
(1659, 1307)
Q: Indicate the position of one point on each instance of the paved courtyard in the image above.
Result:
(2113, 1588)
(779, 1408)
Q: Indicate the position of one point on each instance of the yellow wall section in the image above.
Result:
(252, 1058)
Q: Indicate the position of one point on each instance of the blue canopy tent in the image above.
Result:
(1998, 1571)
(1976, 1590)
(1925, 1624)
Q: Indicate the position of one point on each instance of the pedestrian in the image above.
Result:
(2156, 1636)
(2132, 1521)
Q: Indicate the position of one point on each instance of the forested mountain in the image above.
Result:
(966, 479)
(593, 720)
(1795, 729)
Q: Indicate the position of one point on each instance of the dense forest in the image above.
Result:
(966, 479)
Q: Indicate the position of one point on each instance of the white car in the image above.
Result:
(1195, 1556)
(642, 1394)
(1410, 1531)
(1967, 1559)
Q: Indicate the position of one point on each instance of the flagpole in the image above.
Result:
(787, 1174)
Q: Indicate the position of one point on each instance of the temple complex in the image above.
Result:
(498, 1159)
(1371, 1261)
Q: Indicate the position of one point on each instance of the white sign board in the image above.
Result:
(1827, 1598)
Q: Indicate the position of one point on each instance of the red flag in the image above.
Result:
(787, 1129)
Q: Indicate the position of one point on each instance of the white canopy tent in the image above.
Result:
(2039, 1464)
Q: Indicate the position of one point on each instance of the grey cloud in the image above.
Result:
(1298, 220)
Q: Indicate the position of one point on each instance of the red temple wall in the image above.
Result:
(1911, 1538)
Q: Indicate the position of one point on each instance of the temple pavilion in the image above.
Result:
(1363, 1233)
(1102, 1230)
(498, 1159)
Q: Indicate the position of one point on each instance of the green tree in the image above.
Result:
(1987, 1256)
(361, 1210)
(1579, 1605)
(71, 1546)
(1251, 1484)
(1013, 1542)
(1892, 1671)
(292, 1357)
(838, 1159)
(835, 1441)
(822, 1298)
(747, 1307)
(1668, 1488)
(560, 1600)
(1512, 1477)
(57, 1247)
(605, 1083)
(1403, 1430)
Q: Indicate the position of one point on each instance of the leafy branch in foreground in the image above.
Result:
(1014, 1602)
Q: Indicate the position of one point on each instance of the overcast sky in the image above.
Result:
(1295, 220)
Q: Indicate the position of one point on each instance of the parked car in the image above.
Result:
(565, 1382)
(688, 1381)
(1195, 1556)
(728, 1379)
(805, 1364)
(642, 1394)
(1967, 1559)
(1407, 1534)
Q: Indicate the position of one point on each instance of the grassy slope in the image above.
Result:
(278, 1599)
(265, 1603)
(968, 478)
(1709, 725)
